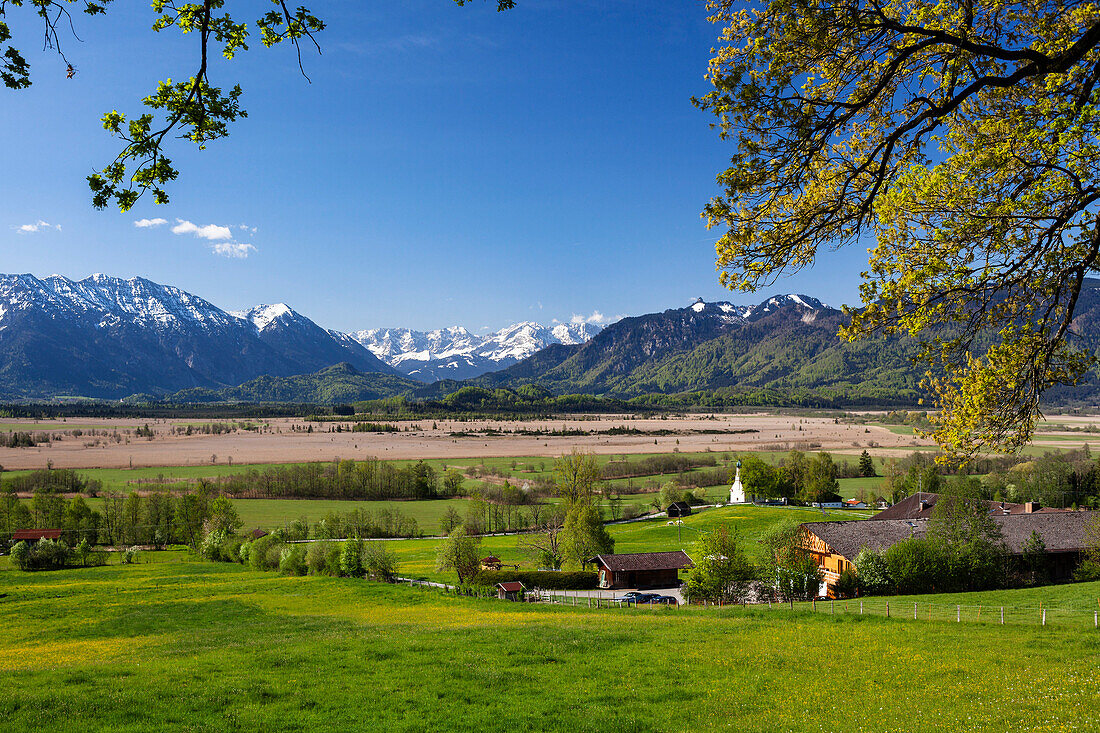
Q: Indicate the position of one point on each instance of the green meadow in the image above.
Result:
(182, 644)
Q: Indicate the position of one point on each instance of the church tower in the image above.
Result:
(737, 491)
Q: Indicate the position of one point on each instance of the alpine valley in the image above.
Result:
(110, 338)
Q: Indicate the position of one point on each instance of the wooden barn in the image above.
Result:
(678, 509)
(510, 591)
(641, 569)
(31, 536)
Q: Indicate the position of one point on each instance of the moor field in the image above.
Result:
(180, 644)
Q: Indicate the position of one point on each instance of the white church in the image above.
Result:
(737, 491)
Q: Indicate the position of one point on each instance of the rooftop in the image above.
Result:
(1061, 532)
(645, 561)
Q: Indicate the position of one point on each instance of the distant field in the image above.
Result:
(650, 535)
(185, 645)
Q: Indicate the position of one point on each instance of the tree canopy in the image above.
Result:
(193, 110)
(961, 137)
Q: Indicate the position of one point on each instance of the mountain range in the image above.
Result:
(110, 338)
(456, 353)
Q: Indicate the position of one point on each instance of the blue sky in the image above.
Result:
(447, 165)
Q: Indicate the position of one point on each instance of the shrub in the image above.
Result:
(316, 556)
(130, 555)
(351, 559)
(292, 560)
(847, 585)
(20, 555)
(545, 579)
(257, 554)
(243, 552)
(211, 547)
(874, 572)
(916, 565)
(381, 561)
(273, 556)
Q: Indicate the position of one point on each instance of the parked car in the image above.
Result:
(647, 598)
(631, 597)
(667, 600)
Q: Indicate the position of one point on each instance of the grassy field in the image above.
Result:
(417, 557)
(184, 645)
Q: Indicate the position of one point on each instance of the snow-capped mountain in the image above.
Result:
(108, 337)
(457, 353)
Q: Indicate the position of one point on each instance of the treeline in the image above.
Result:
(368, 479)
(1068, 479)
(156, 519)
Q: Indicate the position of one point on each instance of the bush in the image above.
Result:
(130, 555)
(381, 561)
(916, 566)
(243, 552)
(257, 554)
(351, 559)
(211, 547)
(543, 579)
(847, 585)
(874, 572)
(316, 556)
(20, 555)
(292, 560)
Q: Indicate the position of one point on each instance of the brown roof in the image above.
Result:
(645, 561)
(36, 534)
(257, 533)
(1061, 532)
(511, 587)
(491, 558)
(919, 506)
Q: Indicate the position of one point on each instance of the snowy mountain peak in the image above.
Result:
(263, 316)
(456, 353)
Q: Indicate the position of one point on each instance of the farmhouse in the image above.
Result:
(33, 535)
(835, 545)
(920, 505)
(641, 569)
(490, 563)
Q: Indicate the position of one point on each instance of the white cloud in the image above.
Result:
(38, 225)
(233, 250)
(208, 231)
(597, 318)
(147, 223)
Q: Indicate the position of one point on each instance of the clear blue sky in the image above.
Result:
(448, 165)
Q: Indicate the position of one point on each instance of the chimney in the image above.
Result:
(1032, 506)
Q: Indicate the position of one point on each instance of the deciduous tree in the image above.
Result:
(961, 139)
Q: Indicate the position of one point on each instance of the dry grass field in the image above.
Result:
(285, 440)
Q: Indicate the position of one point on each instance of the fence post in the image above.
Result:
(1044, 617)
(1002, 615)
(958, 614)
(914, 610)
(1095, 619)
(887, 609)
(791, 599)
(815, 604)
(861, 608)
(832, 606)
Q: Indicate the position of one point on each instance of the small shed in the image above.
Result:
(33, 535)
(678, 509)
(854, 504)
(490, 563)
(641, 569)
(510, 591)
(257, 533)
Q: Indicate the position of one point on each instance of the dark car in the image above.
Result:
(647, 598)
(667, 600)
(631, 597)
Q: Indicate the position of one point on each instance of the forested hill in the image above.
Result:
(785, 350)
(340, 383)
